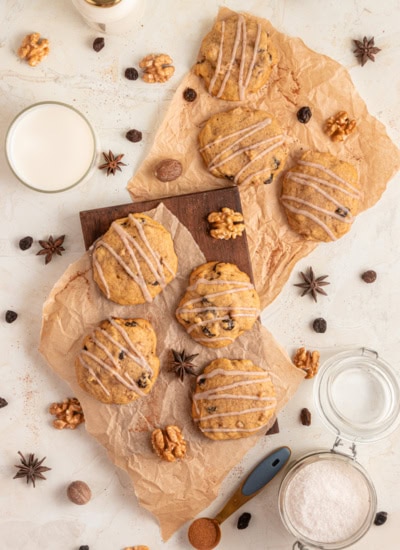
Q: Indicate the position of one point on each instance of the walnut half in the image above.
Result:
(226, 224)
(69, 414)
(338, 127)
(169, 443)
(34, 49)
(307, 361)
(157, 68)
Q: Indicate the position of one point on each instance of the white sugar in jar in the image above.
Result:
(327, 500)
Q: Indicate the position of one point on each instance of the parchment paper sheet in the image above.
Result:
(302, 77)
(173, 492)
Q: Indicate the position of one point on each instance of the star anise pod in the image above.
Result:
(31, 468)
(112, 164)
(365, 50)
(313, 284)
(50, 247)
(182, 363)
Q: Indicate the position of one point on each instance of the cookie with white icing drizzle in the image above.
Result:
(118, 361)
(236, 58)
(321, 196)
(219, 305)
(233, 399)
(134, 260)
(243, 145)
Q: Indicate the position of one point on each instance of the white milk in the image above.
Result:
(51, 147)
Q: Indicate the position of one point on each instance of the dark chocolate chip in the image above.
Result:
(228, 324)
(134, 136)
(269, 180)
(211, 410)
(98, 44)
(25, 243)
(121, 355)
(305, 417)
(11, 316)
(3, 402)
(304, 115)
(130, 324)
(342, 212)
(207, 332)
(143, 381)
(244, 520)
(189, 95)
(319, 325)
(369, 276)
(380, 518)
(131, 73)
(201, 381)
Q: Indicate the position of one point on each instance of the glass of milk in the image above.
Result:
(51, 147)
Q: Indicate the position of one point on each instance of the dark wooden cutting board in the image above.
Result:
(192, 211)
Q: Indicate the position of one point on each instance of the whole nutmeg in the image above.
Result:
(168, 170)
(79, 492)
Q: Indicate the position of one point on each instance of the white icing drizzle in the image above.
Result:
(226, 430)
(202, 281)
(253, 60)
(330, 173)
(312, 218)
(233, 56)
(219, 60)
(190, 328)
(261, 154)
(138, 357)
(309, 177)
(215, 393)
(349, 218)
(248, 130)
(215, 308)
(317, 208)
(214, 294)
(242, 150)
(91, 371)
(97, 266)
(112, 371)
(213, 339)
(242, 60)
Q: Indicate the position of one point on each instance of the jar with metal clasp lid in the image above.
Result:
(327, 500)
(110, 16)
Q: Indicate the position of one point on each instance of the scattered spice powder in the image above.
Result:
(25, 243)
(10, 316)
(98, 44)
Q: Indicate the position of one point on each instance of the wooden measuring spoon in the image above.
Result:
(205, 533)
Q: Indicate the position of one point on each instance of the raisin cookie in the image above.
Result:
(220, 304)
(236, 58)
(243, 145)
(321, 196)
(233, 399)
(118, 361)
(134, 260)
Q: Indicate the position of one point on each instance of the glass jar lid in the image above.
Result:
(358, 395)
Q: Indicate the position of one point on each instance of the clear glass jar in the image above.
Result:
(357, 395)
(110, 16)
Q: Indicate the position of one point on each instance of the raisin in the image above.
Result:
(380, 518)
(369, 276)
(244, 520)
(207, 332)
(98, 44)
(211, 409)
(228, 324)
(155, 283)
(269, 180)
(143, 381)
(85, 348)
(134, 136)
(319, 325)
(205, 301)
(229, 177)
(11, 316)
(342, 212)
(304, 115)
(25, 243)
(276, 163)
(130, 324)
(305, 417)
(189, 95)
(84, 547)
(3, 402)
(121, 355)
(131, 73)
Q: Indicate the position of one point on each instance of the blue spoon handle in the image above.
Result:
(258, 478)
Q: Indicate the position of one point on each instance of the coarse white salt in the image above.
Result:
(327, 501)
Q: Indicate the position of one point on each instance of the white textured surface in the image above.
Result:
(357, 314)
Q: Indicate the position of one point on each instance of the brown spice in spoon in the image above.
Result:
(204, 534)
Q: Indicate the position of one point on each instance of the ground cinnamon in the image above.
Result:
(204, 534)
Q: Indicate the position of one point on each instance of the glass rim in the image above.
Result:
(8, 140)
(310, 458)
